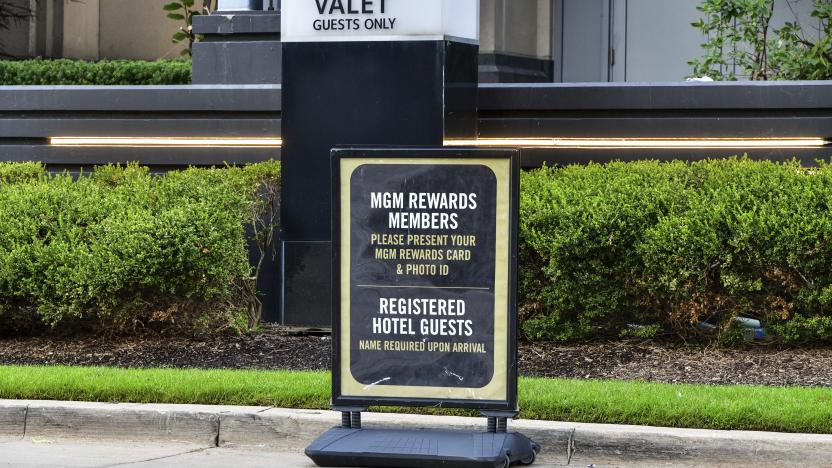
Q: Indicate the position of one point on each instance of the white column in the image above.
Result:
(239, 5)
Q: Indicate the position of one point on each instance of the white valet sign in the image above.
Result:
(380, 20)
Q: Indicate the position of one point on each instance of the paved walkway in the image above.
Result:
(42, 453)
(75, 454)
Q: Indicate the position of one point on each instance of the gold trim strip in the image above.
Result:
(497, 389)
(141, 142)
(554, 142)
(644, 143)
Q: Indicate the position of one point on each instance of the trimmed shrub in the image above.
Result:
(119, 250)
(20, 172)
(580, 227)
(608, 249)
(105, 72)
(622, 249)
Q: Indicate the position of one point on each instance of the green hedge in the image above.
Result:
(120, 249)
(638, 248)
(105, 72)
(606, 250)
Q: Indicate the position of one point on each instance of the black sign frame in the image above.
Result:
(339, 400)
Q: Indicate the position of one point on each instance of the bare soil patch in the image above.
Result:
(275, 348)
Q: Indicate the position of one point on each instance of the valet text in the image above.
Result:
(339, 12)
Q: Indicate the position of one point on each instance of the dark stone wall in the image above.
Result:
(504, 68)
(238, 48)
(30, 115)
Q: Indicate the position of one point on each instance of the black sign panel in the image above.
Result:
(425, 262)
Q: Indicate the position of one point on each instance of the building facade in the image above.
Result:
(521, 40)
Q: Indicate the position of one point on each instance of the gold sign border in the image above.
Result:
(495, 390)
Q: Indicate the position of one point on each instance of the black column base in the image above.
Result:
(421, 448)
(408, 93)
(306, 289)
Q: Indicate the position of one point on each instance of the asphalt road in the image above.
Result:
(39, 453)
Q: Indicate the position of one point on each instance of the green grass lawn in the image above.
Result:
(791, 409)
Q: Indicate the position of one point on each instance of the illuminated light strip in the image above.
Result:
(733, 143)
(691, 143)
(167, 142)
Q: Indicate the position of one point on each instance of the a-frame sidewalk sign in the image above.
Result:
(425, 288)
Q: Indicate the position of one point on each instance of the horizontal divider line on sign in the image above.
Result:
(422, 287)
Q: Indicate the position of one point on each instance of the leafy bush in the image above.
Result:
(609, 246)
(105, 72)
(13, 173)
(741, 42)
(615, 250)
(184, 11)
(119, 249)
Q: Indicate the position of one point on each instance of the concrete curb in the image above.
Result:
(292, 430)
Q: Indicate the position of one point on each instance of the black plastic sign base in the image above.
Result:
(421, 448)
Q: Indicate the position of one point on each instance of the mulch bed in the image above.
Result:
(673, 363)
(276, 348)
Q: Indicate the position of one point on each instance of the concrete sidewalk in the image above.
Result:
(290, 431)
(90, 454)
(43, 453)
